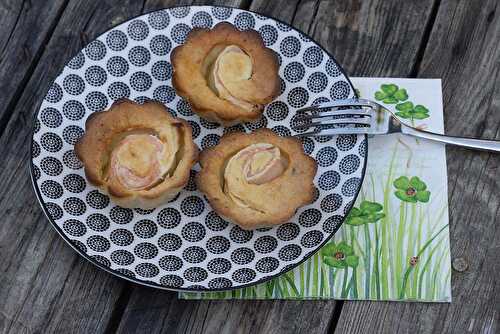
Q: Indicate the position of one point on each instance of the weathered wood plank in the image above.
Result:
(464, 49)
(372, 38)
(23, 36)
(279, 9)
(44, 285)
(151, 311)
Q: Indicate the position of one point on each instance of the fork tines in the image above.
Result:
(350, 116)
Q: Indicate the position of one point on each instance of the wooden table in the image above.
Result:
(46, 287)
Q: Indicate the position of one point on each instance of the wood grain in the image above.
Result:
(150, 311)
(372, 38)
(44, 285)
(23, 37)
(464, 49)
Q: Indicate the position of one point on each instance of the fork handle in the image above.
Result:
(478, 144)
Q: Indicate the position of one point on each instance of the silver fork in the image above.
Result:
(361, 116)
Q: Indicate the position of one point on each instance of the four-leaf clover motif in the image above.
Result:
(408, 110)
(368, 212)
(411, 190)
(391, 94)
(339, 256)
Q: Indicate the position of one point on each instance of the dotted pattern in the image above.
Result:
(184, 244)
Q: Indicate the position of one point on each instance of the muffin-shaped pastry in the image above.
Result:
(140, 155)
(258, 179)
(227, 75)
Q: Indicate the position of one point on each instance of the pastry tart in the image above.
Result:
(227, 75)
(258, 179)
(140, 155)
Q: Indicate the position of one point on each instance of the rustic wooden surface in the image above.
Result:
(46, 287)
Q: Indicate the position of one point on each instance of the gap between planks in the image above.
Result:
(425, 39)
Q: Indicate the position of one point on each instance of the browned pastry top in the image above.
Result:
(138, 154)
(227, 75)
(258, 179)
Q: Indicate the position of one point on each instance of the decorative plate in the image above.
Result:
(184, 245)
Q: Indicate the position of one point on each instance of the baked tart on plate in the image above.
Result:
(227, 75)
(138, 154)
(258, 179)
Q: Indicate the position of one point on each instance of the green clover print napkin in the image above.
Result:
(394, 244)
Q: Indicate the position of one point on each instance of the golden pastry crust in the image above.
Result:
(190, 81)
(278, 199)
(104, 129)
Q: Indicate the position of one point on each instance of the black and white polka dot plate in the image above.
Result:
(185, 245)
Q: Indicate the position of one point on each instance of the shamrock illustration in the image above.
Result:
(411, 190)
(391, 94)
(368, 212)
(408, 110)
(339, 256)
